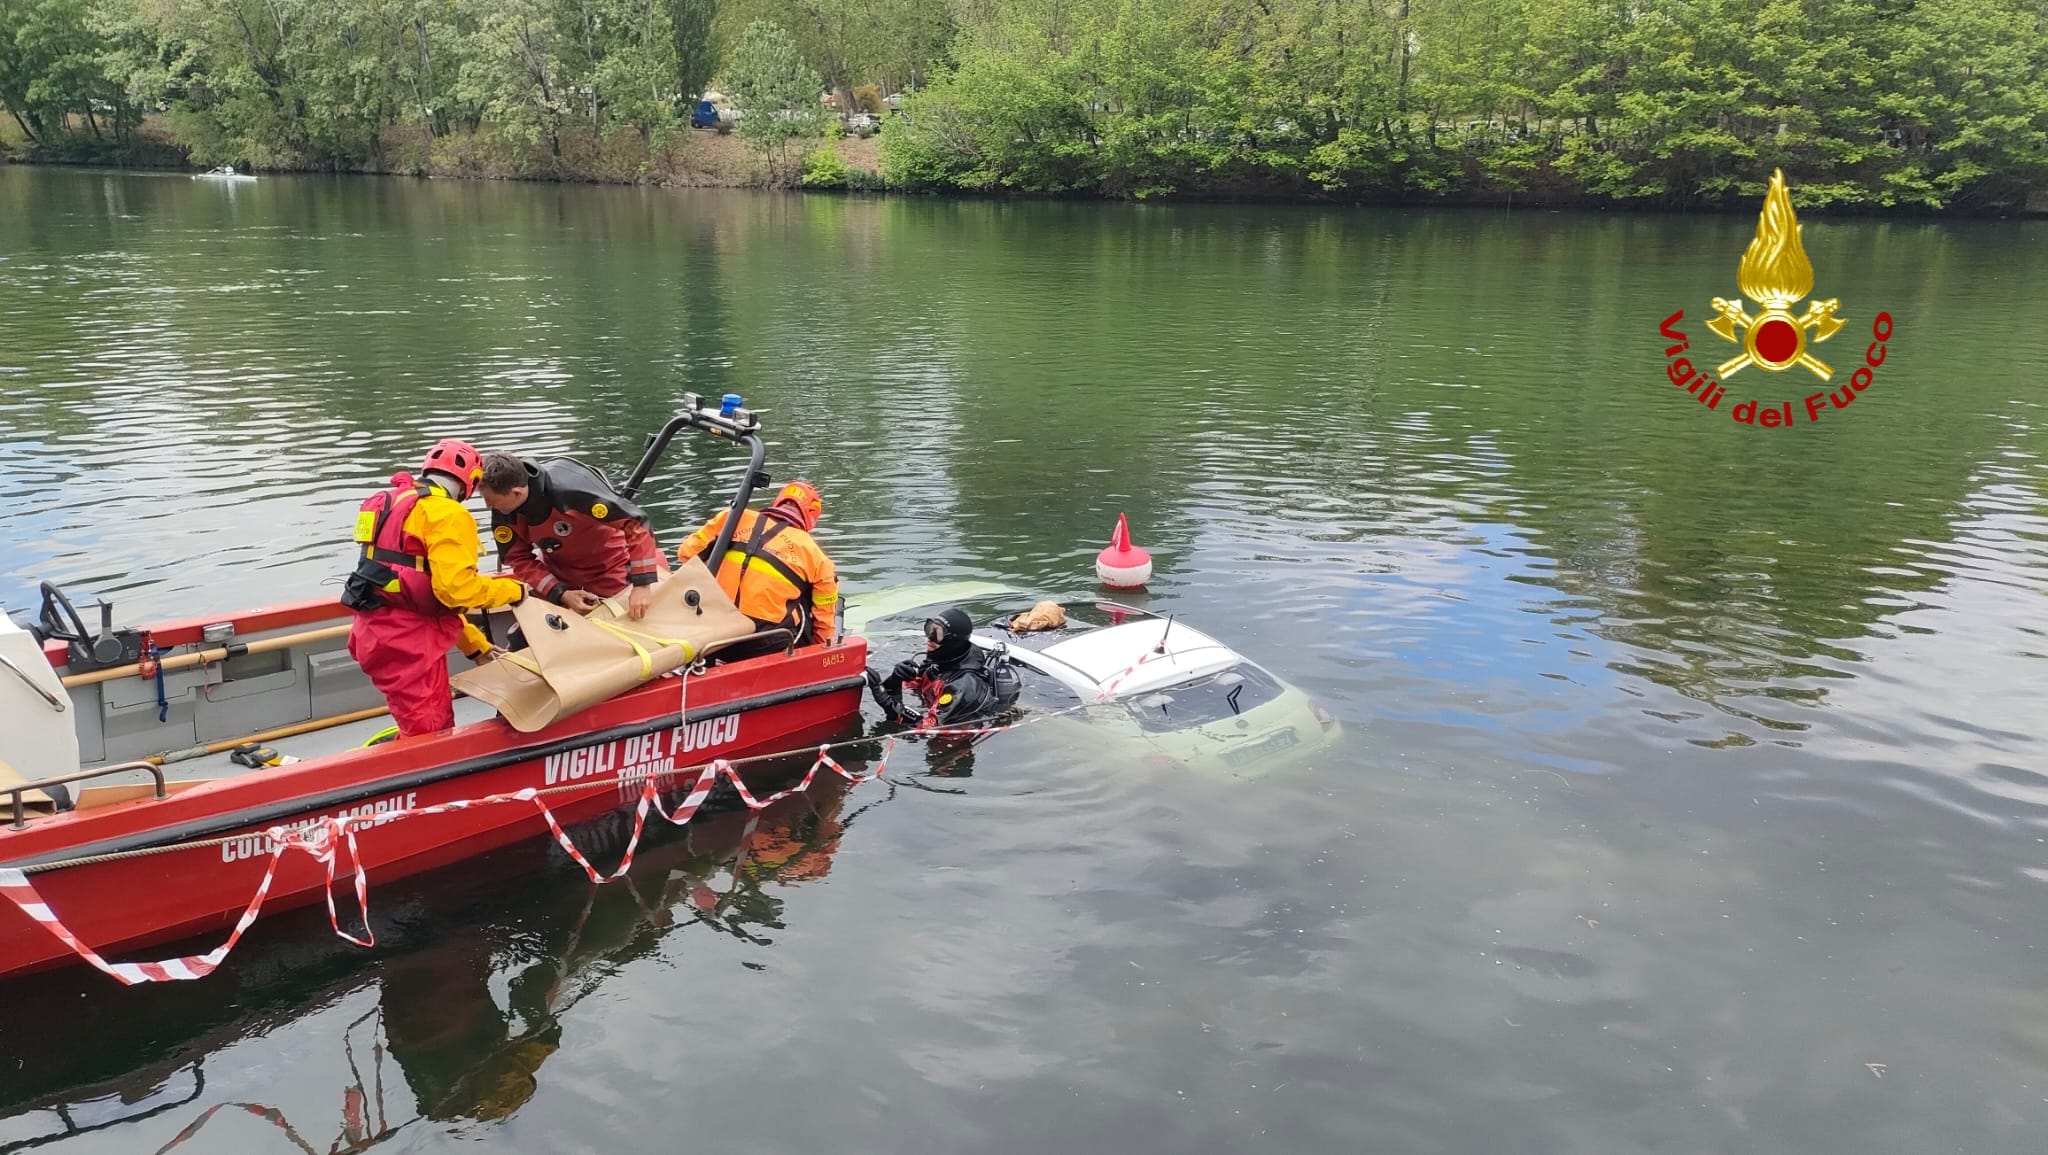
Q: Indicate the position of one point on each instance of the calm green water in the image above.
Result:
(1693, 797)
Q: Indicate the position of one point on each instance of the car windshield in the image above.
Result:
(1207, 699)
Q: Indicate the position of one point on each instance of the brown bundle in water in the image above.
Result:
(1043, 616)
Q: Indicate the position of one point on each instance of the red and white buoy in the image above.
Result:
(1123, 566)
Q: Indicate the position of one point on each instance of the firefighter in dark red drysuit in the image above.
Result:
(568, 535)
(415, 577)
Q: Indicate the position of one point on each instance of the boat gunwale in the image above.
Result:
(261, 620)
(258, 814)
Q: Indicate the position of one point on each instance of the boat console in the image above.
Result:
(58, 620)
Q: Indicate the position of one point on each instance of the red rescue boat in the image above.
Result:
(138, 795)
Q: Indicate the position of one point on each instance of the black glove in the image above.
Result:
(906, 670)
(887, 699)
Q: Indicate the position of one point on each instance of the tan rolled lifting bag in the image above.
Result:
(573, 661)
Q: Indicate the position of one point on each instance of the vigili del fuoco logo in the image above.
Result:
(1777, 276)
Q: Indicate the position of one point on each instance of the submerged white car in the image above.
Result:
(1179, 696)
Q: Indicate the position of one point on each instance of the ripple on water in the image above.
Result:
(1684, 773)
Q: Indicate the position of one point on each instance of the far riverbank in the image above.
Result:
(702, 158)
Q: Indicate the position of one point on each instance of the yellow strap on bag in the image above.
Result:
(646, 659)
(630, 636)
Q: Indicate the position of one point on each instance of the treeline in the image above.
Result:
(320, 83)
(1937, 104)
(1933, 103)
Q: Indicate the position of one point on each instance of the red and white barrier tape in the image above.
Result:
(1109, 688)
(270, 1115)
(323, 841)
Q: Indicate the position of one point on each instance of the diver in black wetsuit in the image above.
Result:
(955, 681)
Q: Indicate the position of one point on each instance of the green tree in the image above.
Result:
(692, 23)
(636, 79)
(836, 38)
(515, 75)
(775, 92)
(1962, 101)
(1937, 104)
(53, 66)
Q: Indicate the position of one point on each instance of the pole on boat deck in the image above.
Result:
(169, 756)
(215, 654)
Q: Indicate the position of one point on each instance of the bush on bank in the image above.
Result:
(1671, 103)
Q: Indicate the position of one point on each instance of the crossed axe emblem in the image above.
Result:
(1820, 321)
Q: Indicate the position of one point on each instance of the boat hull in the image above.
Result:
(582, 765)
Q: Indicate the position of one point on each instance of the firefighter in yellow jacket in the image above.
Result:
(415, 577)
(773, 570)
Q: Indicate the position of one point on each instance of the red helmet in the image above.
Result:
(801, 497)
(457, 459)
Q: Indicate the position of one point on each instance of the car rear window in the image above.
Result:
(1212, 698)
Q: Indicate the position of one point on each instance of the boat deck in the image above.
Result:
(318, 744)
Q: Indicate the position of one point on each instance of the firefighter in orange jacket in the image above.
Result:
(415, 578)
(773, 570)
(563, 530)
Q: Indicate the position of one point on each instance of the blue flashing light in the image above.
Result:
(729, 404)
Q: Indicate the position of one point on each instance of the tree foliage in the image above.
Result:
(1934, 103)
(61, 59)
(1919, 104)
(694, 24)
(775, 92)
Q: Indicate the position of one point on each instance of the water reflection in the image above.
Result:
(469, 989)
(1764, 708)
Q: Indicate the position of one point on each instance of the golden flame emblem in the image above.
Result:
(1776, 275)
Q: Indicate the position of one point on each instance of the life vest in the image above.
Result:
(763, 585)
(381, 536)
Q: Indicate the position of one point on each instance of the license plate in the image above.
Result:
(1262, 748)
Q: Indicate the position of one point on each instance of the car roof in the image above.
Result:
(1126, 659)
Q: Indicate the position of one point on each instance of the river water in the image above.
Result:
(1692, 792)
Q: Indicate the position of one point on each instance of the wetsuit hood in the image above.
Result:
(955, 628)
(540, 499)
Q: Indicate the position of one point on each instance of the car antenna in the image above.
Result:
(1161, 647)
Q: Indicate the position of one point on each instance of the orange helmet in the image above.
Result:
(801, 498)
(459, 460)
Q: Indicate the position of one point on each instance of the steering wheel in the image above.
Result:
(51, 626)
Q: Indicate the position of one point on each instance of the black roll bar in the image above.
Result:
(728, 420)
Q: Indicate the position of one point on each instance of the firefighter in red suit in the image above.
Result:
(414, 579)
(563, 530)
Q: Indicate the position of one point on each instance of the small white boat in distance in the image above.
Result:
(224, 172)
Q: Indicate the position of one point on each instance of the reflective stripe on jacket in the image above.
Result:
(775, 573)
(429, 541)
